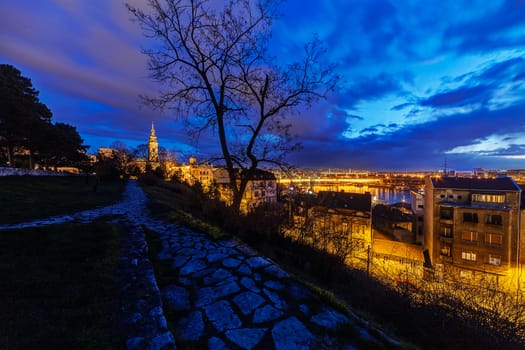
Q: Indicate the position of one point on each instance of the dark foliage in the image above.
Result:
(25, 125)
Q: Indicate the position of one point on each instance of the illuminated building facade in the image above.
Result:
(472, 225)
(196, 172)
(348, 213)
(333, 221)
(153, 149)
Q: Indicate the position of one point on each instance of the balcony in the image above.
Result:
(446, 222)
(447, 238)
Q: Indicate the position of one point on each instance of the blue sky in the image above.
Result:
(421, 80)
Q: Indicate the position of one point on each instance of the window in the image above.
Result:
(446, 231)
(445, 213)
(446, 250)
(493, 219)
(494, 259)
(471, 256)
(488, 198)
(493, 238)
(470, 217)
(256, 194)
(470, 236)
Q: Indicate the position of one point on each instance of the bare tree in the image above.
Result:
(141, 151)
(213, 61)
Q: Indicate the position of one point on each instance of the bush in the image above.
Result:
(149, 179)
(107, 170)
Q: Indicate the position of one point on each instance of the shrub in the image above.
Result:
(149, 179)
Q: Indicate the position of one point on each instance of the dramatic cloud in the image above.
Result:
(421, 81)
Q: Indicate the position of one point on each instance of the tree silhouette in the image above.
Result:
(62, 146)
(22, 116)
(25, 125)
(215, 65)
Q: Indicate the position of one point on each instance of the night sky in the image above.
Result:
(422, 81)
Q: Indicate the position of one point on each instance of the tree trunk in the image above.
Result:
(236, 204)
(30, 159)
(10, 154)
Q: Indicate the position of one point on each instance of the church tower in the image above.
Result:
(153, 148)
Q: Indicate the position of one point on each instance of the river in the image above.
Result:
(380, 195)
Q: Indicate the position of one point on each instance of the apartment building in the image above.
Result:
(338, 222)
(472, 225)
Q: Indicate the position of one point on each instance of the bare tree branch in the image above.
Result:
(211, 59)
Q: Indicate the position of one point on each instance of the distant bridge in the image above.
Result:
(328, 181)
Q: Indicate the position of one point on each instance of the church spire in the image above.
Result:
(152, 132)
(153, 146)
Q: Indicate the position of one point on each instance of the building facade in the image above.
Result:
(337, 222)
(472, 225)
(196, 172)
(417, 203)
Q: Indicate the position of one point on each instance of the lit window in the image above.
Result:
(493, 238)
(494, 259)
(446, 231)
(493, 219)
(470, 236)
(488, 198)
(471, 256)
(446, 250)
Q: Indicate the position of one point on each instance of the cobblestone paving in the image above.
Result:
(222, 294)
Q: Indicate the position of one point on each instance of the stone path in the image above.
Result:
(220, 295)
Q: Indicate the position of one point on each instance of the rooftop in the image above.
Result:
(344, 200)
(465, 183)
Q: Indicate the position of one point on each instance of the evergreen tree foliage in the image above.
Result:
(26, 128)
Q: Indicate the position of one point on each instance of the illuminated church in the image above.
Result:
(153, 149)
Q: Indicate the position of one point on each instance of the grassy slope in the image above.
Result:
(59, 287)
(23, 198)
(175, 202)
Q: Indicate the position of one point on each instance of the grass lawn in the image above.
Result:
(59, 287)
(24, 198)
(176, 202)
